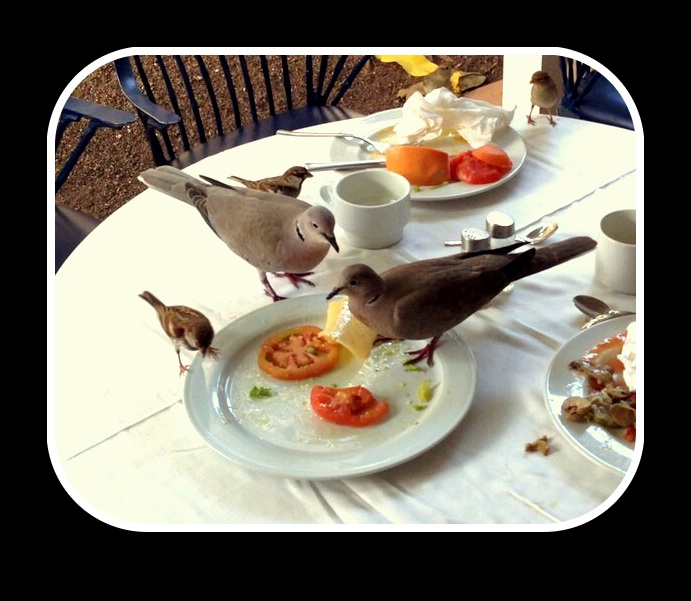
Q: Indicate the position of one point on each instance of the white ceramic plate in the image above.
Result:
(378, 125)
(281, 435)
(602, 445)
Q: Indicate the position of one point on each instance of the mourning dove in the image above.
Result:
(274, 233)
(426, 298)
(289, 184)
(543, 94)
(186, 328)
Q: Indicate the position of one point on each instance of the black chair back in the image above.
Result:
(95, 116)
(591, 96)
(72, 226)
(194, 106)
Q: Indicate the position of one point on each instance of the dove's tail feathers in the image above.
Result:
(558, 253)
(170, 181)
(151, 299)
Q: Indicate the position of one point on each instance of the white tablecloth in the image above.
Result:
(125, 450)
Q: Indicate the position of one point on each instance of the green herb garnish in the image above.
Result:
(259, 392)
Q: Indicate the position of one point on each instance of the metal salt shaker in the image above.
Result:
(502, 229)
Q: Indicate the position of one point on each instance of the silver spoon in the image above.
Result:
(539, 234)
(378, 146)
(598, 310)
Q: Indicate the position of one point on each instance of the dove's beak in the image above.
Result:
(333, 293)
(332, 242)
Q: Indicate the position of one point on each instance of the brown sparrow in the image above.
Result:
(543, 94)
(186, 328)
(288, 184)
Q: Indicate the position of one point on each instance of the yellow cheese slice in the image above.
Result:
(347, 330)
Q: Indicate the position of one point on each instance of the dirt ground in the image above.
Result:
(105, 177)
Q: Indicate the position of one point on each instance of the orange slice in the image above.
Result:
(420, 165)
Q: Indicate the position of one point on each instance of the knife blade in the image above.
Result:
(338, 165)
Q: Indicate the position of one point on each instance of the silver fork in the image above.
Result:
(377, 146)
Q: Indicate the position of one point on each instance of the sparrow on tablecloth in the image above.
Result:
(424, 299)
(186, 327)
(544, 94)
(289, 184)
(274, 233)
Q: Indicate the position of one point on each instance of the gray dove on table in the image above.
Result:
(186, 328)
(543, 94)
(424, 299)
(274, 233)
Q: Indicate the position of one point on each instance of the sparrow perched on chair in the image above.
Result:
(288, 184)
(274, 233)
(424, 299)
(544, 94)
(186, 328)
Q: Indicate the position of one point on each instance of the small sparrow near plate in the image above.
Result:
(288, 184)
(544, 94)
(186, 328)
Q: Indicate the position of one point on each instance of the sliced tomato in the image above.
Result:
(492, 154)
(297, 353)
(468, 168)
(352, 406)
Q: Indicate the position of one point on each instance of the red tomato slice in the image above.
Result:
(353, 406)
(297, 353)
(472, 170)
(489, 153)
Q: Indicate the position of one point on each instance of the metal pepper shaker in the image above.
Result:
(473, 238)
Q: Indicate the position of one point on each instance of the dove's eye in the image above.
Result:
(315, 226)
(353, 282)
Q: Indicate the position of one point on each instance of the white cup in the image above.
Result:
(371, 206)
(615, 256)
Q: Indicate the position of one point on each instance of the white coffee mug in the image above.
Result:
(615, 255)
(371, 206)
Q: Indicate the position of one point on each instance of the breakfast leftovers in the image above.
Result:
(420, 165)
(610, 371)
(342, 327)
(484, 165)
(351, 406)
(541, 445)
(297, 353)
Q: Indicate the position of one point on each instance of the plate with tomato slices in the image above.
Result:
(379, 127)
(605, 446)
(269, 424)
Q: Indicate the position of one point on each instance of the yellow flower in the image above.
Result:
(414, 64)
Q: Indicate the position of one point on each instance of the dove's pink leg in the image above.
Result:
(268, 289)
(296, 278)
(426, 351)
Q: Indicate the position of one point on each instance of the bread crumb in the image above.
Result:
(541, 444)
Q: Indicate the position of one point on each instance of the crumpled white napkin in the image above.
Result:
(426, 117)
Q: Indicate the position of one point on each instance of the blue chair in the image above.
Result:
(591, 96)
(72, 226)
(178, 98)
